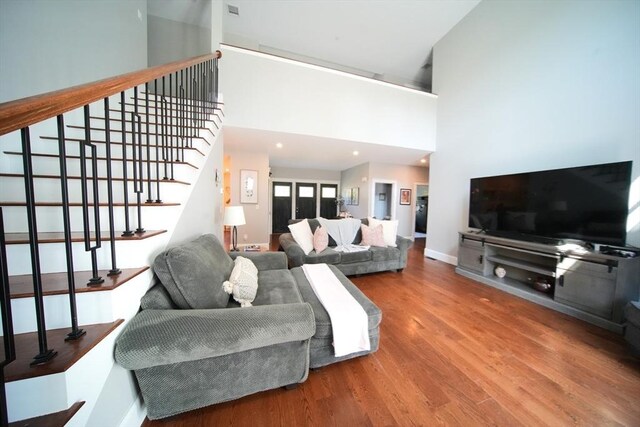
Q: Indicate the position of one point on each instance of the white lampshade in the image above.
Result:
(234, 215)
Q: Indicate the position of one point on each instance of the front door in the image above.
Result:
(305, 200)
(282, 199)
(328, 196)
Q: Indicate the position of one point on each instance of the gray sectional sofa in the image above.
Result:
(370, 261)
(191, 346)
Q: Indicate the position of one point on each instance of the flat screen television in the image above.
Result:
(588, 203)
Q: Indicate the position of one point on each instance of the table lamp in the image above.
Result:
(234, 215)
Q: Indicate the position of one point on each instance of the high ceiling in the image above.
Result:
(389, 40)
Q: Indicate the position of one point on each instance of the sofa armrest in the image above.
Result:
(294, 252)
(403, 243)
(163, 337)
(264, 260)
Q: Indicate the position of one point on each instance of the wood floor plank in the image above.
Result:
(454, 352)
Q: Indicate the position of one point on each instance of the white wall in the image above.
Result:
(270, 93)
(532, 85)
(317, 175)
(49, 45)
(257, 227)
(170, 40)
(357, 176)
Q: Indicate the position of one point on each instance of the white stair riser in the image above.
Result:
(130, 254)
(48, 190)
(92, 307)
(50, 218)
(51, 166)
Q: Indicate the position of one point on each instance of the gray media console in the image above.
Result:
(582, 283)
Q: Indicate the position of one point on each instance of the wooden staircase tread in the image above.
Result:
(21, 286)
(114, 159)
(100, 178)
(69, 352)
(98, 141)
(78, 204)
(76, 236)
(55, 419)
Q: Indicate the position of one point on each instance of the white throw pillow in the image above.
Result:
(389, 230)
(243, 281)
(301, 232)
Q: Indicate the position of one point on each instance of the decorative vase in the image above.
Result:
(500, 271)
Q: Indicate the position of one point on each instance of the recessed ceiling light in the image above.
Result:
(279, 145)
(423, 160)
(355, 153)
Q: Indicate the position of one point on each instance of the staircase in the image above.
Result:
(94, 182)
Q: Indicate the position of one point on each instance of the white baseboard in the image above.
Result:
(136, 414)
(441, 257)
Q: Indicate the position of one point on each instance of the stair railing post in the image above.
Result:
(64, 189)
(125, 179)
(7, 323)
(45, 354)
(112, 233)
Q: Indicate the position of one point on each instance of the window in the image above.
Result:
(329, 192)
(282, 191)
(306, 192)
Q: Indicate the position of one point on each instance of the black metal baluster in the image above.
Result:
(95, 279)
(149, 198)
(181, 113)
(7, 322)
(170, 122)
(45, 354)
(112, 232)
(64, 188)
(164, 131)
(127, 228)
(157, 123)
(137, 166)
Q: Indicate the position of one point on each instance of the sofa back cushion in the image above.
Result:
(193, 273)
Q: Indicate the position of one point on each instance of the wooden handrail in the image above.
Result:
(24, 112)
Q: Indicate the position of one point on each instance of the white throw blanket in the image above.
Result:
(349, 321)
(343, 231)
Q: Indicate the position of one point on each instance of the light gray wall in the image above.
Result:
(257, 227)
(402, 177)
(352, 178)
(171, 40)
(532, 85)
(306, 174)
(49, 45)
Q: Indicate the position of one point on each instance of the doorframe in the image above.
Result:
(293, 202)
(394, 195)
(414, 204)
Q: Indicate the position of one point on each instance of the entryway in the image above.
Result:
(422, 205)
(307, 203)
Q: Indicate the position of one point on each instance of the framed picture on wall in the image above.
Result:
(405, 196)
(248, 186)
(355, 196)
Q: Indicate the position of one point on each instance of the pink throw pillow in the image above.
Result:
(320, 240)
(372, 236)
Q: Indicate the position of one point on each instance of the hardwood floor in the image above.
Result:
(457, 353)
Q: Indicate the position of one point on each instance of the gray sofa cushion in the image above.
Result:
(328, 256)
(349, 257)
(276, 287)
(323, 321)
(157, 298)
(384, 254)
(193, 273)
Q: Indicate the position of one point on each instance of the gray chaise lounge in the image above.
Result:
(186, 356)
(373, 260)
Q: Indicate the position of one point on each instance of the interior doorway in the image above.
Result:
(382, 200)
(422, 207)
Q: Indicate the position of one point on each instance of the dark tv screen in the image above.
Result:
(588, 203)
